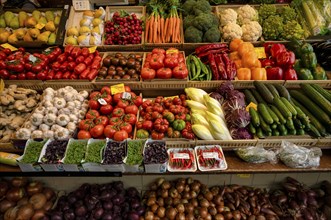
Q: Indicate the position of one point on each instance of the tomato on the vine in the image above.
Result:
(95, 95)
(158, 99)
(161, 125)
(126, 127)
(130, 118)
(156, 115)
(118, 112)
(107, 98)
(86, 124)
(157, 136)
(133, 109)
(97, 131)
(92, 114)
(127, 89)
(120, 135)
(138, 100)
(105, 89)
(147, 125)
(117, 97)
(177, 101)
(122, 103)
(106, 109)
(82, 134)
(93, 104)
(109, 131)
(101, 120)
(146, 103)
(115, 120)
(158, 107)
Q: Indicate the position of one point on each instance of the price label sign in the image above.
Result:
(117, 88)
(92, 49)
(210, 155)
(8, 46)
(102, 101)
(181, 156)
(260, 52)
(251, 105)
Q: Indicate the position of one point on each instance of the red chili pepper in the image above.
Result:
(213, 66)
(84, 74)
(75, 52)
(222, 73)
(217, 51)
(209, 47)
(93, 73)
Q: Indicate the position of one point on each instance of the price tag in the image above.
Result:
(181, 156)
(171, 97)
(102, 101)
(2, 85)
(172, 51)
(92, 49)
(251, 105)
(260, 52)
(126, 95)
(32, 58)
(39, 26)
(117, 88)
(210, 155)
(10, 47)
(244, 175)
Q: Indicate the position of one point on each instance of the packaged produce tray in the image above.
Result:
(151, 162)
(135, 149)
(140, 11)
(111, 153)
(210, 158)
(62, 12)
(51, 167)
(181, 160)
(74, 154)
(93, 155)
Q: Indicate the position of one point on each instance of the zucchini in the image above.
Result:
(281, 118)
(264, 91)
(252, 128)
(313, 120)
(318, 112)
(283, 92)
(273, 115)
(263, 111)
(282, 108)
(257, 96)
(289, 106)
(322, 91)
(273, 90)
(259, 133)
(314, 131)
(289, 124)
(282, 129)
(254, 117)
(300, 131)
(275, 132)
(249, 97)
(292, 132)
(317, 97)
(265, 127)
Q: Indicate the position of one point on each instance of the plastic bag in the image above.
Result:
(299, 157)
(257, 155)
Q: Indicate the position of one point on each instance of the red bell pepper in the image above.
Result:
(50, 75)
(285, 59)
(267, 63)
(276, 49)
(290, 74)
(267, 47)
(274, 73)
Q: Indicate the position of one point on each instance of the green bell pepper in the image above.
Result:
(306, 48)
(305, 74)
(319, 73)
(179, 124)
(297, 65)
(309, 60)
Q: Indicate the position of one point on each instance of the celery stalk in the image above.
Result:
(321, 23)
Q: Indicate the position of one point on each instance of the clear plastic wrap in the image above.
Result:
(256, 155)
(299, 157)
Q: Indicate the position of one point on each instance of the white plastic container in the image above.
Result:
(73, 167)
(155, 167)
(29, 167)
(184, 156)
(109, 166)
(93, 166)
(212, 153)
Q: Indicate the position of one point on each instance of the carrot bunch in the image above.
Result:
(163, 28)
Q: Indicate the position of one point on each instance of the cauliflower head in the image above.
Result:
(232, 31)
(228, 16)
(252, 31)
(246, 13)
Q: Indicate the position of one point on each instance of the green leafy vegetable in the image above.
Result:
(32, 151)
(93, 153)
(75, 152)
(135, 152)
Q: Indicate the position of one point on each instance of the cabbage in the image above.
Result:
(240, 133)
(225, 88)
(217, 96)
(239, 118)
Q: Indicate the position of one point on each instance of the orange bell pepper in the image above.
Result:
(234, 56)
(238, 64)
(244, 74)
(234, 44)
(259, 74)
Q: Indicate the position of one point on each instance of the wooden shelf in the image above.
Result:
(235, 165)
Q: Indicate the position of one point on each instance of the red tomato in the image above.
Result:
(126, 127)
(120, 135)
(133, 109)
(122, 103)
(156, 61)
(94, 104)
(180, 72)
(118, 112)
(147, 73)
(164, 73)
(115, 120)
(157, 136)
(82, 134)
(158, 50)
(109, 131)
(146, 103)
(103, 120)
(158, 107)
(127, 88)
(107, 98)
(105, 89)
(95, 95)
(147, 125)
(130, 118)
(170, 62)
(97, 131)
(148, 57)
(181, 58)
(86, 124)
(92, 114)
(138, 100)
(117, 97)
(106, 109)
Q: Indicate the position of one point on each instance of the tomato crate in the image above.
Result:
(114, 150)
(156, 166)
(73, 151)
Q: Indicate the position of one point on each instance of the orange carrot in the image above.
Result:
(170, 28)
(166, 30)
(162, 29)
(173, 29)
(147, 29)
(174, 39)
(179, 21)
(158, 29)
(155, 29)
(151, 26)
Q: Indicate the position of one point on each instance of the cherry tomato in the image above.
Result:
(120, 135)
(82, 134)
(97, 131)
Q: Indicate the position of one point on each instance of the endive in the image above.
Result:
(196, 105)
(198, 111)
(202, 132)
(199, 119)
(213, 105)
(195, 94)
(212, 116)
(218, 130)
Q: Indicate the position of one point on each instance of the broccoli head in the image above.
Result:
(204, 21)
(201, 6)
(272, 27)
(288, 13)
(212, 35)
(188, 7)
(292, 30)
(266, 10)
(193, 35)
(188, 21)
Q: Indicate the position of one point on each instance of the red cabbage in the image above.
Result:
(225, 88)
(240, 133)
(239, 118)
(217, 96)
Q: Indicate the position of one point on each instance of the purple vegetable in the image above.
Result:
(239, 118)
(114, 153)
(240, 133)
(225, 88)
(55, 151)
(217, 96)
(155, 152)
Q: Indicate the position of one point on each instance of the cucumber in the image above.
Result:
(254, 117)
(289, 124)
(282, 108)
(283, 92)
(322, 91)
(281, 118)
(264, 91)
(268, 134)
(300, 131)
(252, 128)
(301, 115)
(257, 96)
(289, 106)
(273, 115)
(259, 133)
(297, 123)
(313, 120)
(309, 104)
(263, 111)
(273, 90)
(275, 132)
(317, 97)
(249, 97)
(265, 127)
(273, 126)
(282, 129)
(314, 131)
(292, 132)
